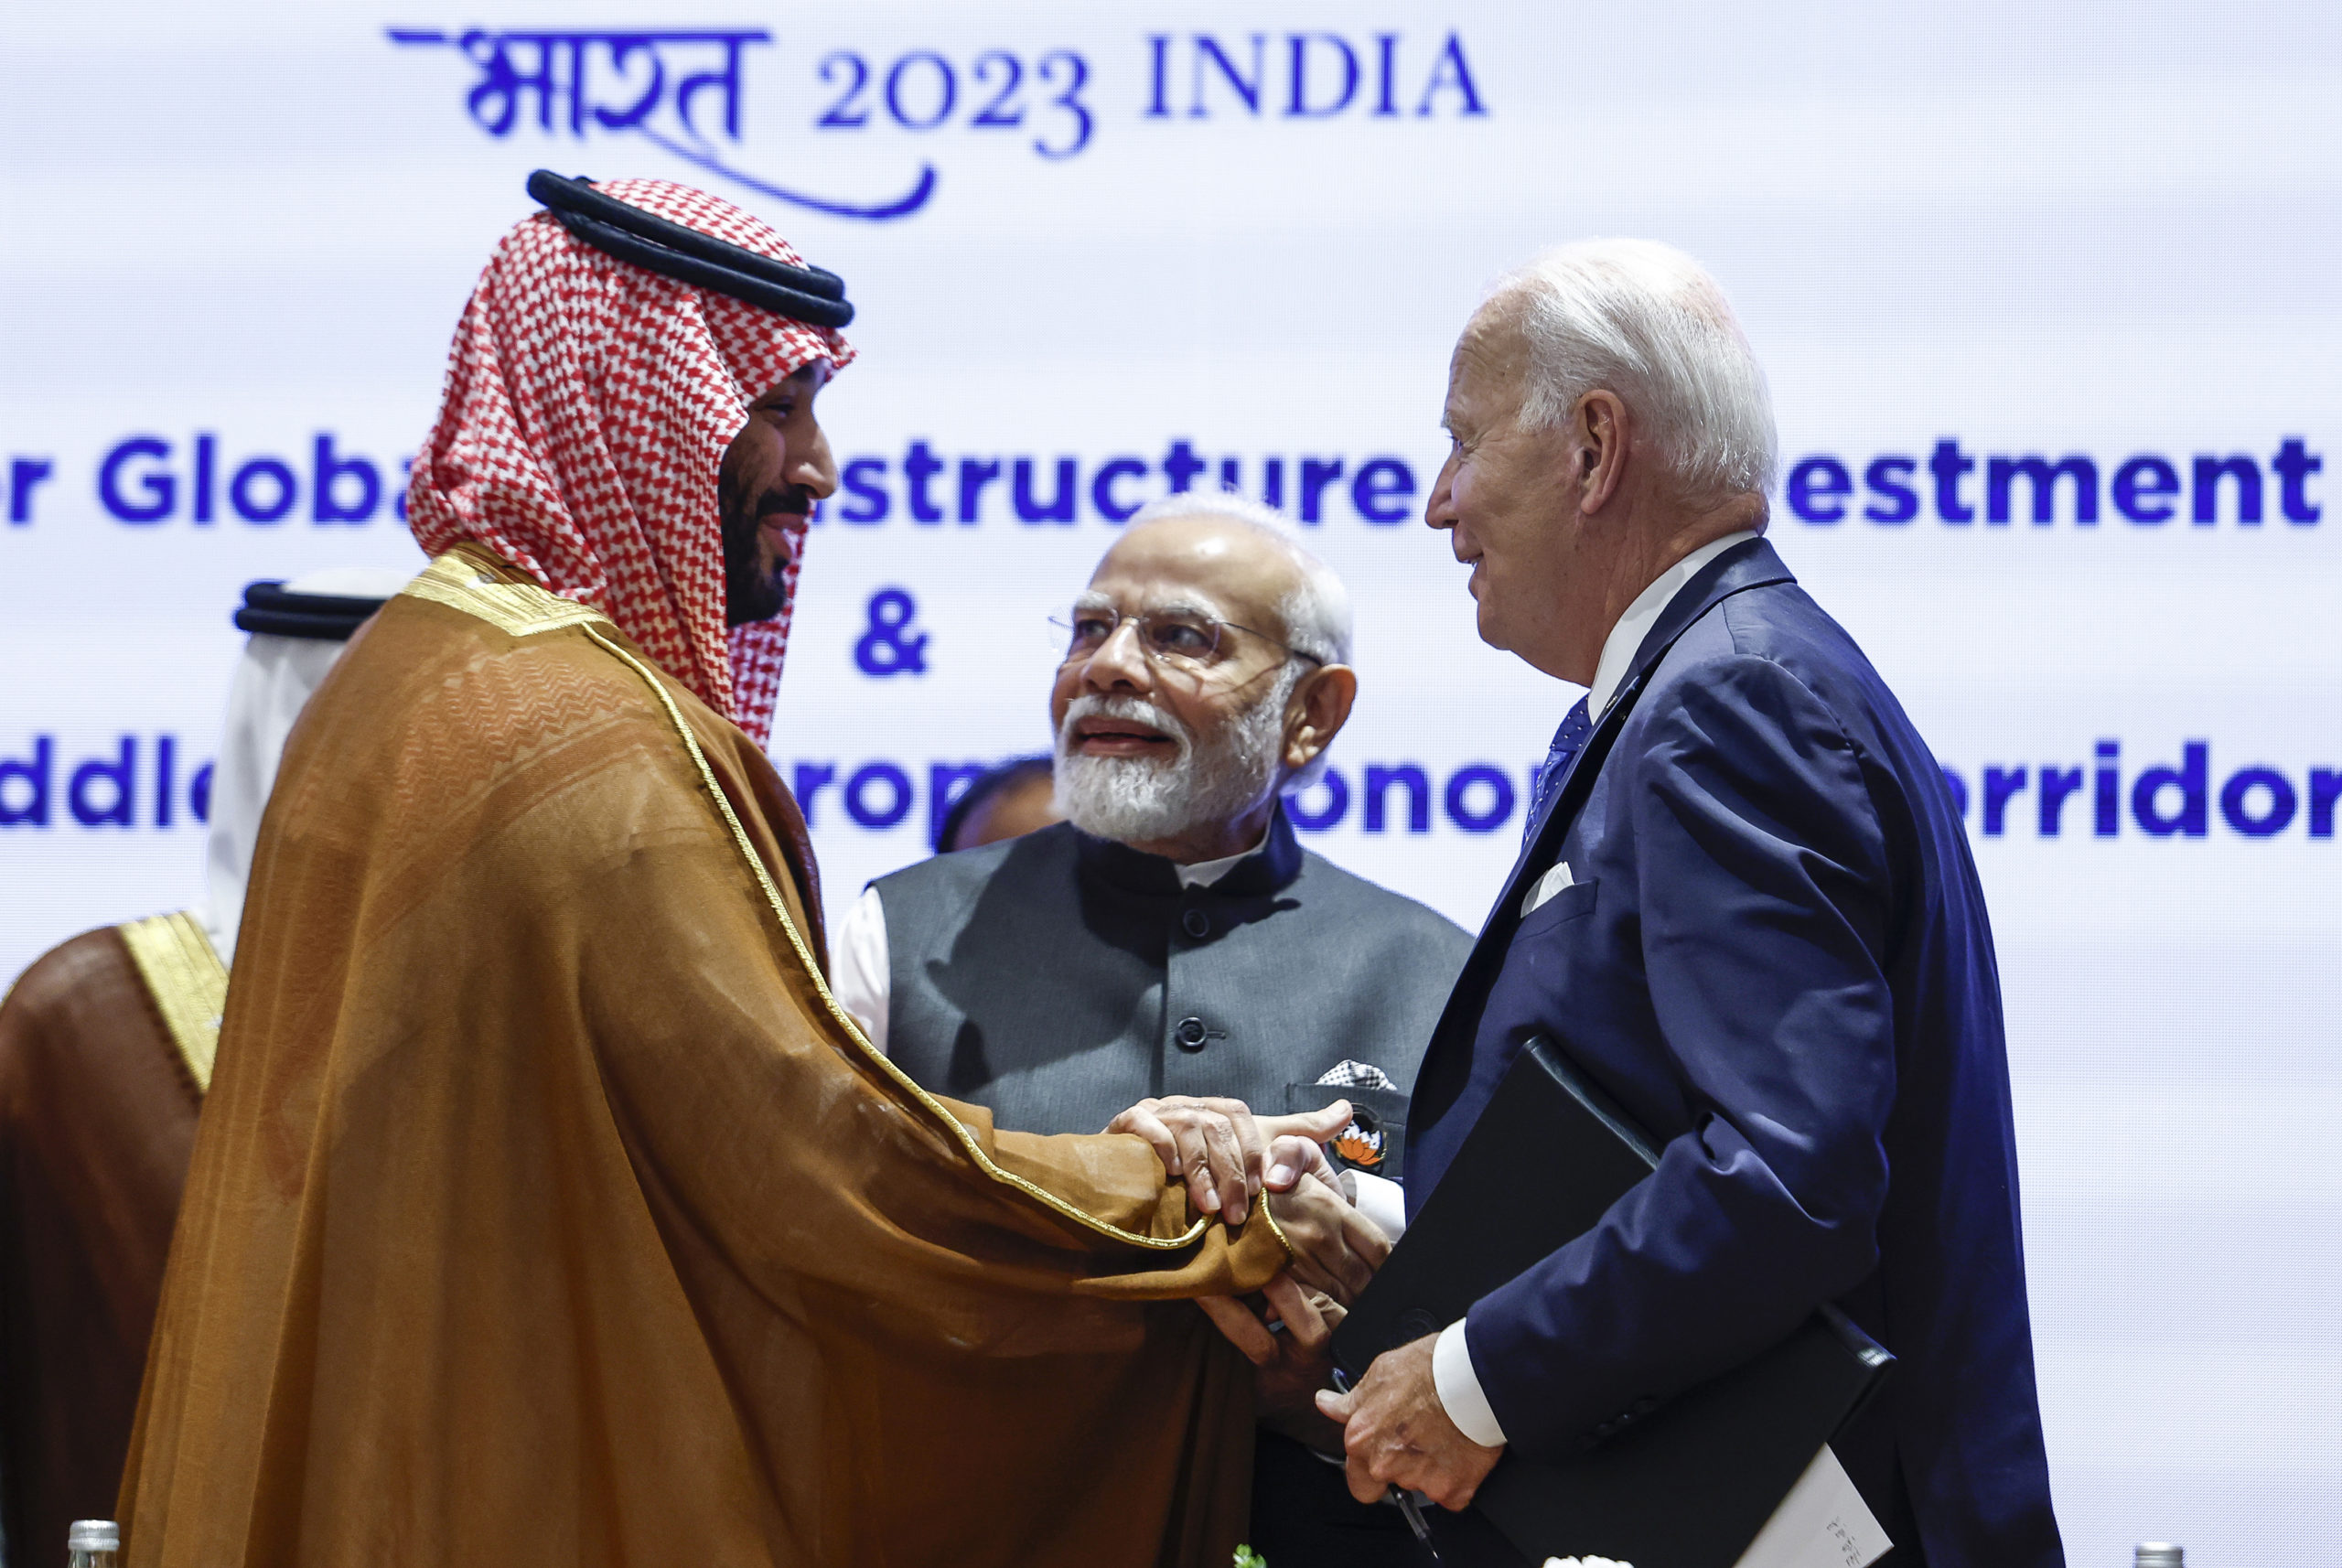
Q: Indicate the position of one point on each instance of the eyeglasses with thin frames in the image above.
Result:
(1179, 638)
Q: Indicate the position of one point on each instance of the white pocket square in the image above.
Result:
(1549, 884)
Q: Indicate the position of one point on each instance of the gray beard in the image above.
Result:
(1136, 800)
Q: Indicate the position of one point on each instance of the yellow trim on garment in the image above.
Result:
(854, 1031)
(524, 609)
(190, 984)
(518, 609)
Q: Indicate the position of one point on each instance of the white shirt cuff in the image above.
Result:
(1383, 1201)
(1459, 1387)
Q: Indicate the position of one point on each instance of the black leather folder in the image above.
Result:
(1686, 1484)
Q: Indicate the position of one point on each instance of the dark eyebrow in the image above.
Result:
(792, 385)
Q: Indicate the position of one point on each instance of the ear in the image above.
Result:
(1319, 707)
(1601, 430)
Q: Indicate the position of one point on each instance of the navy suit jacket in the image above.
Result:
(1776, 957)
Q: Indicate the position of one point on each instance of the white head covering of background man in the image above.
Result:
(298, 630)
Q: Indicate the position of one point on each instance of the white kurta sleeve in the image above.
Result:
(1383, 1201)
(858, 966)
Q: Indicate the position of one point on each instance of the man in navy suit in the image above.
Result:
(1747, 910)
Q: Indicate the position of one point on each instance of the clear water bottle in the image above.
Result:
(93, 1543)
(2158, 1554)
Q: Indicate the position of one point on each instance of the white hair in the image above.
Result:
(1647, 322)
(1316, 614)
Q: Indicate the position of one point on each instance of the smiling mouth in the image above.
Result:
(780, 513)
(1120, 737)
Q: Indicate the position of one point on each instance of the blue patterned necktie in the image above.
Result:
(1568, 740)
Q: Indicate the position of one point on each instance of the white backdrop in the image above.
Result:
(237, 236)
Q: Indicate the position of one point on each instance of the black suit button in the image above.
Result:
(1195, 923)
(1190, 1034)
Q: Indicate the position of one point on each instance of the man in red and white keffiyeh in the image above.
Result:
(539, 1162)
(594, 410)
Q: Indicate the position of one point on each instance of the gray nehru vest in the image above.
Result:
(1060, 979)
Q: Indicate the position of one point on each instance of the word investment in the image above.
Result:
(2146, 488)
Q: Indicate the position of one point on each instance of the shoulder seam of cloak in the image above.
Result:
(780, 912)
(518, 609)
(188, 982)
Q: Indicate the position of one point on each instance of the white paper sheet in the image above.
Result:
(1823, 1523)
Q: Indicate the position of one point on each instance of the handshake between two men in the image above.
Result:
(1391, 1429)
(480, 1160)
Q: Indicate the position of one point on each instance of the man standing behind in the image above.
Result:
(1747, 910)
(1004, 802)
(1172, 943)
(546, 1209)
(106, 1044)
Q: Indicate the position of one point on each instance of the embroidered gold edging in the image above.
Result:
(189, 983)
(854, 1031)
(518, 609)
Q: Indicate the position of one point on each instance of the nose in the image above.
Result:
(814, 468)
(1120, 664)
(1439, 509)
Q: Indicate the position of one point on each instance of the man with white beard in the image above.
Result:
(1170, 945)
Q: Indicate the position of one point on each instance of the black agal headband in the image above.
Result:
(675, 251)
(318, 618)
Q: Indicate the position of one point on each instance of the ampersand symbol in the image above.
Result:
(884, 650)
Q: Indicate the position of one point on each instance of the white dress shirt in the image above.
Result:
(1452, 1374)
(860, 979)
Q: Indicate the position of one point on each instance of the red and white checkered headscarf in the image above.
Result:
(587, 408)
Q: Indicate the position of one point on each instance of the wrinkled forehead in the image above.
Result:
(1492, 354)
(1216, 567)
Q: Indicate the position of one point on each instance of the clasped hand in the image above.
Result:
(1229, 1157)
(1225, 1153)
(1336, 1251)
